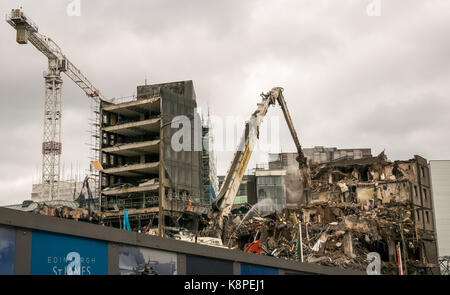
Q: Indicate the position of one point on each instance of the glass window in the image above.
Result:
(278, 180)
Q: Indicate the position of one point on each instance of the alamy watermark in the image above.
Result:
(227, 133)
(374, 267)
(74, 8)
(374, 8)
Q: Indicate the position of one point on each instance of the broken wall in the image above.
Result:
(386, 192)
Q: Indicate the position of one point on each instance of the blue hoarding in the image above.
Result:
(55, 254)
(250, 269)
(7, 242)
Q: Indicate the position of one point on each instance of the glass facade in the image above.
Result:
(271, 188)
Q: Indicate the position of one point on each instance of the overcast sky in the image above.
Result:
(350, 79)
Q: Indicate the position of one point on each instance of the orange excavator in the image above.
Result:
(254, 247)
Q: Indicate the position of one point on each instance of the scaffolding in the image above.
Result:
(444, 264)
(210, 182)
(94, 145)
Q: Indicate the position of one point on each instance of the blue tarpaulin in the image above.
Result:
(126, 222)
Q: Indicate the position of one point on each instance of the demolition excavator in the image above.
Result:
(221, 207)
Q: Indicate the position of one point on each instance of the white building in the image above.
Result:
(68, 191)
(440, 179)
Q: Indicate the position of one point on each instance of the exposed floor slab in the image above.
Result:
(136, 107)
(134, 149)
(134, 170)
(135, 128)
(128, 190)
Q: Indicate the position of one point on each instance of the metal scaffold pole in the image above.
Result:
(95, 145)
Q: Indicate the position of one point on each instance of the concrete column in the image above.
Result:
(113, 259)
(181, 264)
(236, 268)
(348, 245)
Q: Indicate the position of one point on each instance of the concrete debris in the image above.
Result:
(68, 213)
(343, 243)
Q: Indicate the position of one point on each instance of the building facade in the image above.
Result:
(396, 194)
(271, 189)
(317, 155)
(67, 191)
(136, 138)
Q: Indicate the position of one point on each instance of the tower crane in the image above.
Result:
(27, 30)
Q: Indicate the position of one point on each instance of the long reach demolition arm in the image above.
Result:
(227, 194)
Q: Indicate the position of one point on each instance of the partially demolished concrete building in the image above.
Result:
(136, 139)
(390, 204)
(354, 207)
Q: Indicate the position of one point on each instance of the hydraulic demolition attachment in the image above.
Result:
(227, 194)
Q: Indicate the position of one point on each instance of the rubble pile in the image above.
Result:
(344, 242)
(68, 213)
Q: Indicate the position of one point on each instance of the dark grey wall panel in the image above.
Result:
(113, 259)
(183, 167)
(236, 268)
(22, 253)
(197, 265)
(181, 264)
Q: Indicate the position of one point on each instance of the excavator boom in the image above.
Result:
(227, 194)
(278, 93)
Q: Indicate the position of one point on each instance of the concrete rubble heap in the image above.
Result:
(67, 212)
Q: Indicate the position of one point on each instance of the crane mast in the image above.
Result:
(27, 31)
